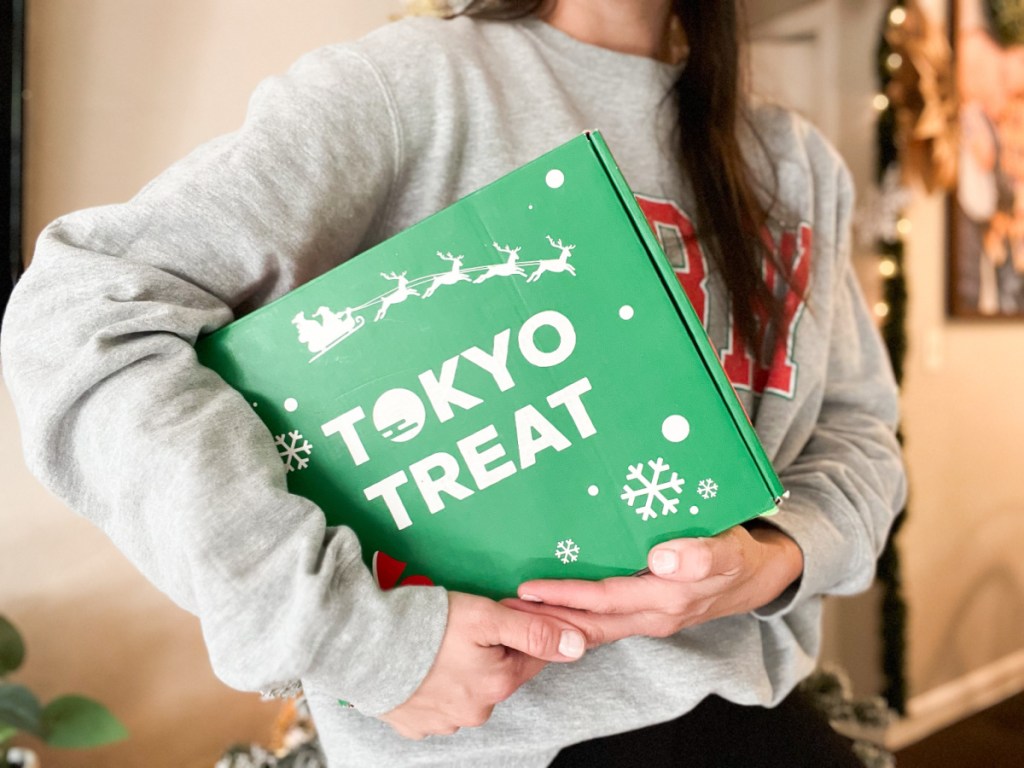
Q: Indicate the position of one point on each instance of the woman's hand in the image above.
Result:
(487, 652)
(691, 581)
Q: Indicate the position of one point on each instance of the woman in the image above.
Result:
(356, 143)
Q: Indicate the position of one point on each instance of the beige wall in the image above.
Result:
(964, 420)
(119, 90)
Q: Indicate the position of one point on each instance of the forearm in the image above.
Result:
(782, 562)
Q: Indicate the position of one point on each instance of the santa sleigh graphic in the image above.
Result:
(327, 328)
(331, 328)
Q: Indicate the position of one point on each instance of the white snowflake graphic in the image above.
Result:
(708, 489)
(567, 551)
(289, 450)
(652, 489)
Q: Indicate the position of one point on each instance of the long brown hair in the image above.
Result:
(710, 108)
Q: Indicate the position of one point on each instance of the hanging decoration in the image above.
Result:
(920, 87)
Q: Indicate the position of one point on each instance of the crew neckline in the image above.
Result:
(587, 55)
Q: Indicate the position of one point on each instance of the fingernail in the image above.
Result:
(571, 644)
(664, 562)
(531, 598)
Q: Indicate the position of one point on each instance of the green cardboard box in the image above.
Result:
(514, 388)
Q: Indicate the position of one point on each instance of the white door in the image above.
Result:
(794, 61)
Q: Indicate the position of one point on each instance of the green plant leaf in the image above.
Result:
(19, 708)
(76, 722)
(7, 732)
(12, 647)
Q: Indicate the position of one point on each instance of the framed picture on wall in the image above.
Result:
(12, 16)
(986, 270)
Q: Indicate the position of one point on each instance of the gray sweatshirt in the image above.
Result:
(354, 144)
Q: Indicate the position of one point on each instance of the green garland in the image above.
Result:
(894, 333)
(1006, 18)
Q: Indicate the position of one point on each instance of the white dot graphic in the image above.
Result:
(593, 490)
(626, 312)
(555, 178)
(530, 207)
(675, 428)
(291, 405)
(694, 510)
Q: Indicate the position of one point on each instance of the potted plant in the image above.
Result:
(68, 721)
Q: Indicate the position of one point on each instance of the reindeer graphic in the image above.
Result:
(561, 264)
(456, 275)
(399, 294)
(509, 268)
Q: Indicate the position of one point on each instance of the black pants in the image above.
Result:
(720, 734)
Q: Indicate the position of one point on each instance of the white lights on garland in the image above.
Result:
(917, 140)
(886, 224)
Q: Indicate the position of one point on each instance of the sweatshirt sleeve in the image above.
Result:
(847, 482)
(121, 422)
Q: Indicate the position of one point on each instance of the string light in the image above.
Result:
(880, 102)
(890, 311)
